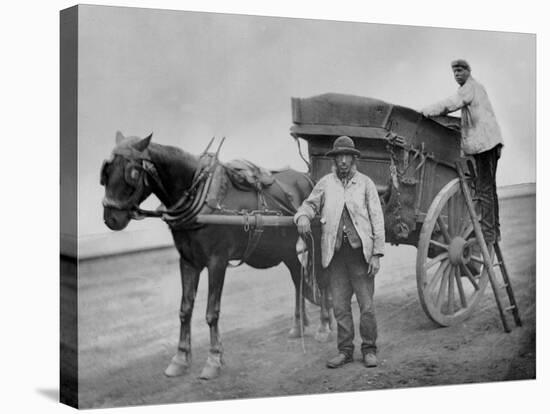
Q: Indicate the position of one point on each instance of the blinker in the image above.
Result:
(132, 174)
(103, 173)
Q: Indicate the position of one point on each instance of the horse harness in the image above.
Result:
(140, 173)
(253, 219)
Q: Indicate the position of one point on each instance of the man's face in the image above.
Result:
(461, 74)
(344, 163)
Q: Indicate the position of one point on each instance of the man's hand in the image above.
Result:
(428, 112)
(425, 112)
(374, 265)
(304, 227)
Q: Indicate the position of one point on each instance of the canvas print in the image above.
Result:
(257, 206)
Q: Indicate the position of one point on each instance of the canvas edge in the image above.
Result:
(68, 93)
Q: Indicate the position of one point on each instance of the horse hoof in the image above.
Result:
(323, 336)
(178, 366)
(212, 368)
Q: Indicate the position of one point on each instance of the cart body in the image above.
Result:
(409, 157)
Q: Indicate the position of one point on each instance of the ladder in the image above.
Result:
(488, 260)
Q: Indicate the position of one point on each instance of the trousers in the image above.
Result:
(347, 273)
(486, 192)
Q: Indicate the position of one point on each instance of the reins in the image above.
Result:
(308, 268)
(184, 212)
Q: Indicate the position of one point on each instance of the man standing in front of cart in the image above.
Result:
(481, 138)
(352, 243)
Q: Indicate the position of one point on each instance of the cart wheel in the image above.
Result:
(450, 273)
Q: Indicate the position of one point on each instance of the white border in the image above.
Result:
(30, 56)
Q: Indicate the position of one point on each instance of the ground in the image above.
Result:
(128, 330)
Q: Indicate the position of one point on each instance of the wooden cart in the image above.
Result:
(425, 185)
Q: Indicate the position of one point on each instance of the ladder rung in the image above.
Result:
(503, 286)
(509, 308)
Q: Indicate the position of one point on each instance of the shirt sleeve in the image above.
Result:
(313, 204)
(376, 217)
(464, 96)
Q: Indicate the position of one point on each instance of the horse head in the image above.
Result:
(125, 179)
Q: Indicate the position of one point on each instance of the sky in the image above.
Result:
(188, 76)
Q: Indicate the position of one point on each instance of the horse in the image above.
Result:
(187, 185)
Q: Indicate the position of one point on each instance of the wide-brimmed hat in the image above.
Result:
(343, 145)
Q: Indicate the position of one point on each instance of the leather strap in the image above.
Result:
(254, 237)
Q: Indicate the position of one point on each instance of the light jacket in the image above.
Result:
(361, 198)
(480, 130)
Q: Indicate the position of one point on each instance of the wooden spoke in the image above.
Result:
(438, 244)
(464, 218)
(459, 214)
(442, 288)
(471, 241)
(477, 260)
(451, 215)
(437, 259)
(451, 292)
(443, 229)
(460, 288)
(437, 276)
(466, 230)
(470, 276)
(455, 215)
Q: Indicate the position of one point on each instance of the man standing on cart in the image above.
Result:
(352, 243)
(481, 138)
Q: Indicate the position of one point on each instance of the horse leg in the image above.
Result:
(300, 316)
(324, 332)
(216, 277)
(189, 281)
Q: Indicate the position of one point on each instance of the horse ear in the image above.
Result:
(119, 137)
(142, 144)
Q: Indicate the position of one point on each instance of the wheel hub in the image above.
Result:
(459, 251)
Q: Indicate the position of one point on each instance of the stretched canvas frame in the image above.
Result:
(86, 254)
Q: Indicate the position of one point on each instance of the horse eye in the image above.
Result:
(134, 174)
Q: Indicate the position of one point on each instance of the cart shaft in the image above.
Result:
(246, 219)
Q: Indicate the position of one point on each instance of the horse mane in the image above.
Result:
(168, 154)
(175, 166)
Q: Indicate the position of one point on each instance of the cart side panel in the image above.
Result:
(436, 176)
(374, 160)
(340, 109)
(441, 142)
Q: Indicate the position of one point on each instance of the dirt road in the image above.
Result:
(128, 329)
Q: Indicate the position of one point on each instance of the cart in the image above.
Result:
(425, 186)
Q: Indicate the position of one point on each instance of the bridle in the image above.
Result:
(184, 212)
(145, 170)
